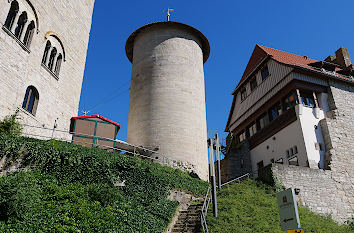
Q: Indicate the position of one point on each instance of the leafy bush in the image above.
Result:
(251, 206)
(73, 189)
(10, 125)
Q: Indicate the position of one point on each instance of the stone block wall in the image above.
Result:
(231, 167)
(323, 191)
(339, 129)
(70, 21)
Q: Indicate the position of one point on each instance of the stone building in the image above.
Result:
(167, 96)
(296, 113)
(43, 46)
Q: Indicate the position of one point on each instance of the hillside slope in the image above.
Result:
(251, 206)
(70, 188)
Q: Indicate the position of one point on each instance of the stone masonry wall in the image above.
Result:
(59, 98)
(339, 132)
(230, 166)
(322, 191)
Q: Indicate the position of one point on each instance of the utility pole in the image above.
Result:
(212, 176)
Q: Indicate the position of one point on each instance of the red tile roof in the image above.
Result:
(261, 52)
(97, 116)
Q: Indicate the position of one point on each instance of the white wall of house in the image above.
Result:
(278, 144)
(302, 133)
(312, 134)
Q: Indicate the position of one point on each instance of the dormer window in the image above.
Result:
(264, 72)
(243, 93)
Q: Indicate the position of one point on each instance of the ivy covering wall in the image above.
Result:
(63, 187)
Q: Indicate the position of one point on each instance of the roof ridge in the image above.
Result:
(263, 46)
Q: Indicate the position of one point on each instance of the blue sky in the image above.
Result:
(315, 28)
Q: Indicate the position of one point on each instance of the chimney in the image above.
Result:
(341, 58)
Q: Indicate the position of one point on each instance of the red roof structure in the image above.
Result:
(97, 116)
(262, 53)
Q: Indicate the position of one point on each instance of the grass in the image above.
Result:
(251, 206)
(70, 188)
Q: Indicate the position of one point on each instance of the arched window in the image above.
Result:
(46, 51)
(29, 34)
(52, 58)
(30, 102)
(12, 15)
(21, 24)
(58, 65)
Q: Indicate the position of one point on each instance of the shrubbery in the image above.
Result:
(10, 125)
(73, 189)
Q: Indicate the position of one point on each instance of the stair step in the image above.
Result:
(189, 220)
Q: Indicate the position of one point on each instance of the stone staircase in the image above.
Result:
(189, 220)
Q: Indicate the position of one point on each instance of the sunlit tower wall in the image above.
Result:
(167, 95)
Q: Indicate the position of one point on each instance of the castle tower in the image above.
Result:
(167, 97)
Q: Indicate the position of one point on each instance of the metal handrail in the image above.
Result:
(207, 200)
(237, 179)
(160, 158)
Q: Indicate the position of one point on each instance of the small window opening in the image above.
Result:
(46, 51)
(294, 161)
(30, 101)
(20, 25)
(243, 94)
(280, 161)
(261, 121)
(260, 165)
(10, 20)
(253, 83)
(58, 64)
(52, 58)
(29, 34)
(264, 72)
(274, 112)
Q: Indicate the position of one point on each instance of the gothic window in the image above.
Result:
(20, 25)
(58, 64)
(30, 101)
(52, 58)
(46, 51)
(29, 34)
(12, 15)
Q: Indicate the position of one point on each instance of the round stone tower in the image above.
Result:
(167, 97)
